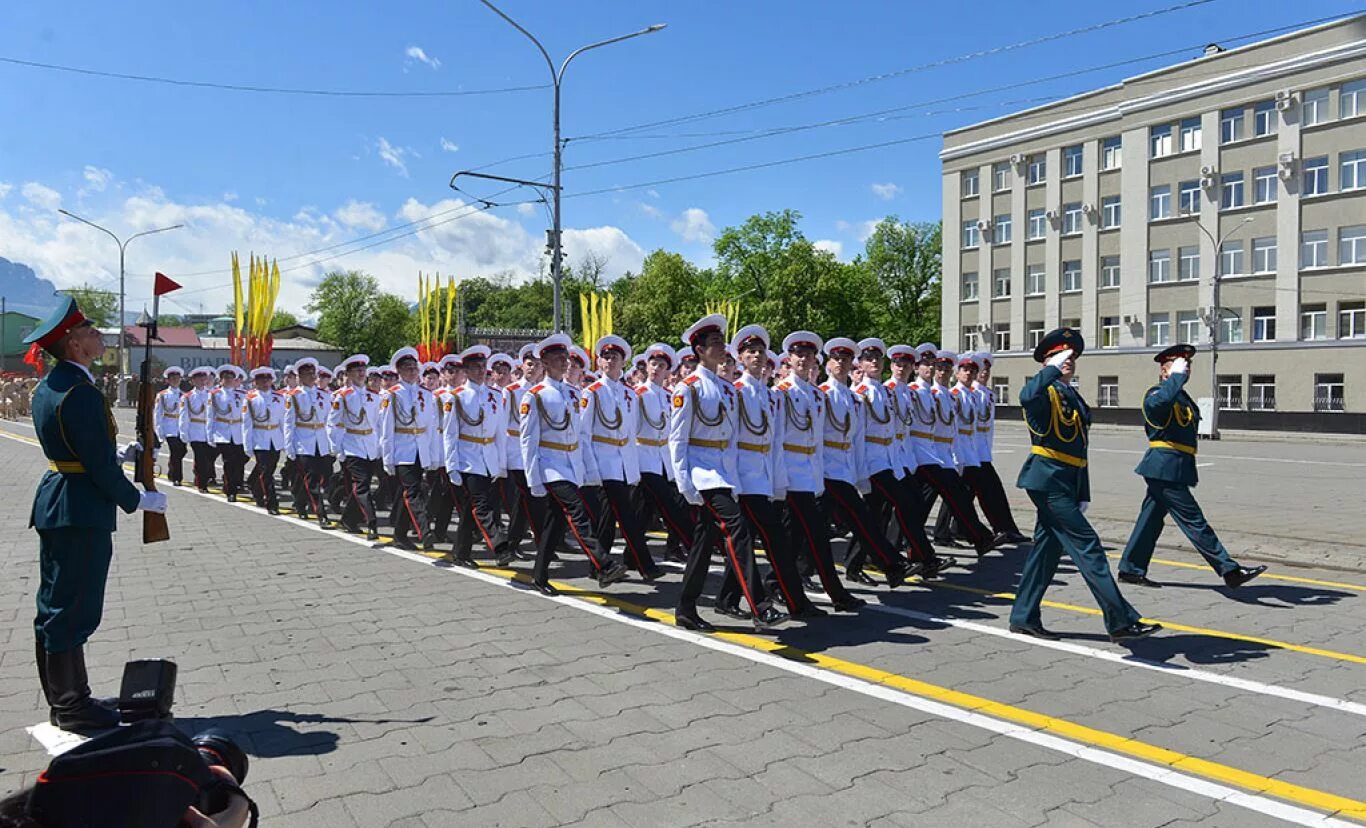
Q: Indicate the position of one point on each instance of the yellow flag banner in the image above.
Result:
(249, 342)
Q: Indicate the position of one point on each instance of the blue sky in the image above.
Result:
(286, 174)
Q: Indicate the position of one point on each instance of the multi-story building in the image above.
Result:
(1106, 212)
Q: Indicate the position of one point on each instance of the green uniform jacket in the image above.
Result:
(1172, 422)
(77, 432)
(1058, 421)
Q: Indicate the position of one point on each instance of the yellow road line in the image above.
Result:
(1294, 579)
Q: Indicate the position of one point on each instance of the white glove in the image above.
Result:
(693, 497)
(1060, 357)
(390, 470)
(1180, 365)
(130, 452)
(1083, 506)
(537, 491)
(152, 502)
(456, 479)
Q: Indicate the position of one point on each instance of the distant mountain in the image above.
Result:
(24, 291)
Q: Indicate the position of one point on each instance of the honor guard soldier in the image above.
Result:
(196, 406)
(607, 426)
(523, 511)
(935, 404)
(263, 434)
(306, 441)
(167, 424)
(474, 443)
(225, 429)
(656, 492)
(1168, 468)
(409, 446)
(353, 435)
(703, 430)
(965, 456)
(1055, 476)
(74, 515)
(554, 468)
(990, 491)
(500, 371)
(440, 494)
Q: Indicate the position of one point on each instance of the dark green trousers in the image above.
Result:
(1060, 527)
(73, 568)
(1176, 499)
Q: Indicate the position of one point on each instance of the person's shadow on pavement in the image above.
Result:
(267, 734)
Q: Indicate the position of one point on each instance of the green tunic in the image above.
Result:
(1172, 422)
(1058, 420)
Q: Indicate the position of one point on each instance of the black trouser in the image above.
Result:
(945, 482)
(440, 503)
(412, 502)
(566, 508)
(808, 534)
(336, 485)
(386, 492)
(721, 519)
(657, 495)
(204, 456)
(517, 502)
(765, 519)
(287, 472)
(614, 509)
(476, 497)
(903, 501)
(309, 470)
(842, 501)
(175, 467)
(992, 495)
(234, 467)
(359, 502)
(262, 479)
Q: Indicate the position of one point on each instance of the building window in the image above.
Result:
(1313, 248)
(1230, 392)
(1352, 99)
(1190, 134)
(1315, 176)
(1034, 334)
(1263, 324)
(1111, 153)
(1264, 185)
(1231, 190)
(970, 183)
(1002, 334)
(1189, 198)
(1328, 392)
(1231, 259)
(1261, 392)
(1314, 322)
(1188, 264)
(1352, 170)
(1159, 266)
(1000, 176)
(1314, 107)
(1187, 326)
(1109, 212)
(969, 286)
(1351, 320)
(1000, 388)
(970, 237)
(1109, 271)
(1264, 118)
(1109, 332)
(1264, 255)
(1159, 330)
(1038, 224)
(1001, 229)
(1071, 161)
(1160, 141)
(1352, 245)
(1037, 170)
(1071, 276)
(1107, 392)
(1231, 326)
(972, 339)
(1231, 125)
(1034, 280)
(1000, 282)
(1071, 218)
(1160, 202)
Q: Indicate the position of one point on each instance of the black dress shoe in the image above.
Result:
(732, 611)
(858, 576)
(1018, 537)
(1138, 580)
(273, 510)
(896, 577)
(808, 611)
(466, 562)
(769, 617)
(232, 498)
(544, 588)
(203, 490)
(505, 558)
(692, 621)
(653, 574)
(177, 483)
(1242, 575)
(852, 603)
(985, 546)
(350, 528)
(938, 564)
(612, 574)
(1035, 631)
(372, 534)
(404, 544)
(809, 584)
(428, 545)
(1135, 630)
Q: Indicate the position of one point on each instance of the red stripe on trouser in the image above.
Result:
(740, 575)
(768, 547)
(863, 530)
(958, 513)
(355, 495)
(569, 519)
(308, 490)
(412, 518)
(474, 514)
(625, 536)
(811, 542)
(905, 530)
(524, 498)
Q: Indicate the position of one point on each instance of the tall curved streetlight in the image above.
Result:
(123, 247)
(1214, 317)
(556, 77)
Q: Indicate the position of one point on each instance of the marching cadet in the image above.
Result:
(225, 431)
(431, 376)
(167, 424)
(329, 489)
(374, 379)
(474, 445)
(964, 446)
(440, 494)
(324, 382)
(656, 493)
(306, 441)
(290, 375)
(607, 427)
(195, 408)
(263, 421)
(548, 437)
(409, 446)
(990, 492)
(1168, 468)
(703, 430)
(353, 436)
(1055, 476)
(523, 510)
(384, 487)
(500, 371)
(687, 363)
(933, 406)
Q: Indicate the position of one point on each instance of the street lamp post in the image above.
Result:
(1212, 320)
(123, 247)
(556, 77)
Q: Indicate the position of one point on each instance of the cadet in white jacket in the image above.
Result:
(196, 409)
(656, 492)
(353, 434)
(474, 436)
(306, 442)
(166, 424)
(263, 434)
(409, 446)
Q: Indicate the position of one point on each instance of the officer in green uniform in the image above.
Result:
(1168, 467)
(1056, 479)
(73, 512)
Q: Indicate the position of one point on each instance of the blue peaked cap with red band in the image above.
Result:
(63, 320)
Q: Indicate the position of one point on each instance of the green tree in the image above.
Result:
(356, 317)
(283, 319)
(170, 320)
(657, 305)
(388, 327)
(101, 306)
(905, 260)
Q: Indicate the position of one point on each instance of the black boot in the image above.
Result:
(72, 707)
(41, 658)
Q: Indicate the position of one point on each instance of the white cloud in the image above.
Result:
(360, 214)
(418, 54)
(611, 244)
(229, 196)
(834, 248)
(649, 210)
(859, 229)
(4, 189)
(392, 155)
(448, 145)
(887, 191)
(41, 196)
(97, 177)
(652, 193)
(694, 225)
(526, 208)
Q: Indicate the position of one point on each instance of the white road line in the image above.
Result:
(1229, 457)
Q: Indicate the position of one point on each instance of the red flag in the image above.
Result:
(34, 358)
(164, 284)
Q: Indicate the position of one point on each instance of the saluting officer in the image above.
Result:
(1168, 468)
(1055, 476)
(474, 439)
(353, 434)
(166, 424)
(306, 441)
(409, 446)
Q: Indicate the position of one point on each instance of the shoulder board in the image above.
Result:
(394, 388)
(186, 394)
(825, 386)
(642, 390)
(251, 395)
(782, 386)
(692, 378)
(346, 392)
(934, 390)
(738, 383)
(513, 386)
(954, 390)
(537, 388)
(595, 386)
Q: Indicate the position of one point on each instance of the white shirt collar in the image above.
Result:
(84, 370)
